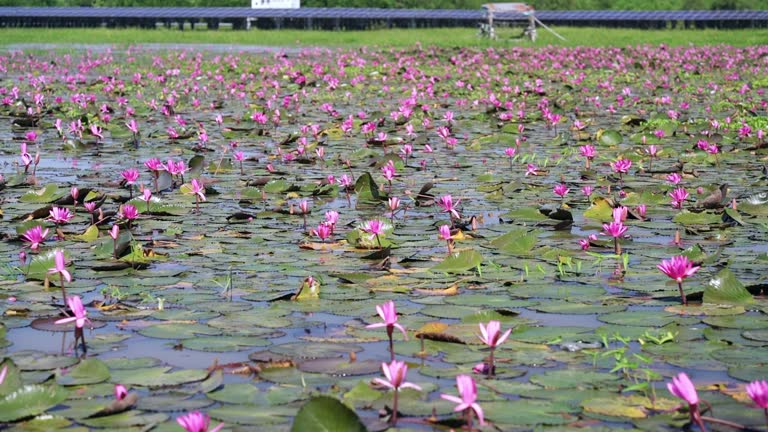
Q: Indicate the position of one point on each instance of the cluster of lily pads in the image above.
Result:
(227, 224)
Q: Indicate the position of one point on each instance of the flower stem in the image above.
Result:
(682, 294)
(79, 334)
(723, 422)
(63, 292)
(468, 415)
(393, 419)
(491, 366)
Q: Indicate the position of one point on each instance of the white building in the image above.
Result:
(275, 4)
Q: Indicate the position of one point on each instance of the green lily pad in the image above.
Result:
(125, 419)
(570, 378)
(157, 376)
(526, 412)
(459, 262)
(224, 343)
(625, 407)
(178, 331)
(88, 371)
(516, 242)
(688, 218)
(340, 367)
(577, 308)
(366, 188)
(237, 393)
(724, 288)
(252, 415)
(326, 414)
(610, 138)
(47, 194)
(30, 400)
(36, 361)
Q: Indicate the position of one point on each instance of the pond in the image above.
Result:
(249, 232)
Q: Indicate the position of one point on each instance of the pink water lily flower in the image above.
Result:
(468, 399)
(678, 196)
(128, 212)
(491, 335)
(60, 215)
(388, 314)
(60, 266)
(114, 232)
(678, 268)
(674, 178)
(757, 391)
(197, 422)
(197, 188)
(621, 166)
(76, 306)
(614, 229)
(323, 231)
(620, 214)
(375, 228)
(682, 387)
(120, 392)
(35, 236)
(395, 372)
(561, 190)
(3, 373)
(448, 206)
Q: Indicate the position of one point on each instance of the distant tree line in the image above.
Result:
(425, 4)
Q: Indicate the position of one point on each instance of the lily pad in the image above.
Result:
(459, 262)
(157, 376)
(88, 371)
(571, 378)
(30, 400)
(724, 288)
(326, 414)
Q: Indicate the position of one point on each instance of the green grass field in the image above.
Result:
(444, 37)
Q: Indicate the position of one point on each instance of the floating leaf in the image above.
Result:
(724, 288)
(570, 378)
(326, 414)
(459, 262)
(610, 138)
(125, 419)
(366, 189)
(615, 407)
(49, 193)
(277, 186)
(90, 234)
(516, 242)
(157, 376)
(600, 210)
(88, 371)
(30, 400)
(704, 218)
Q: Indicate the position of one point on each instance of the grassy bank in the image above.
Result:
(445, 37)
